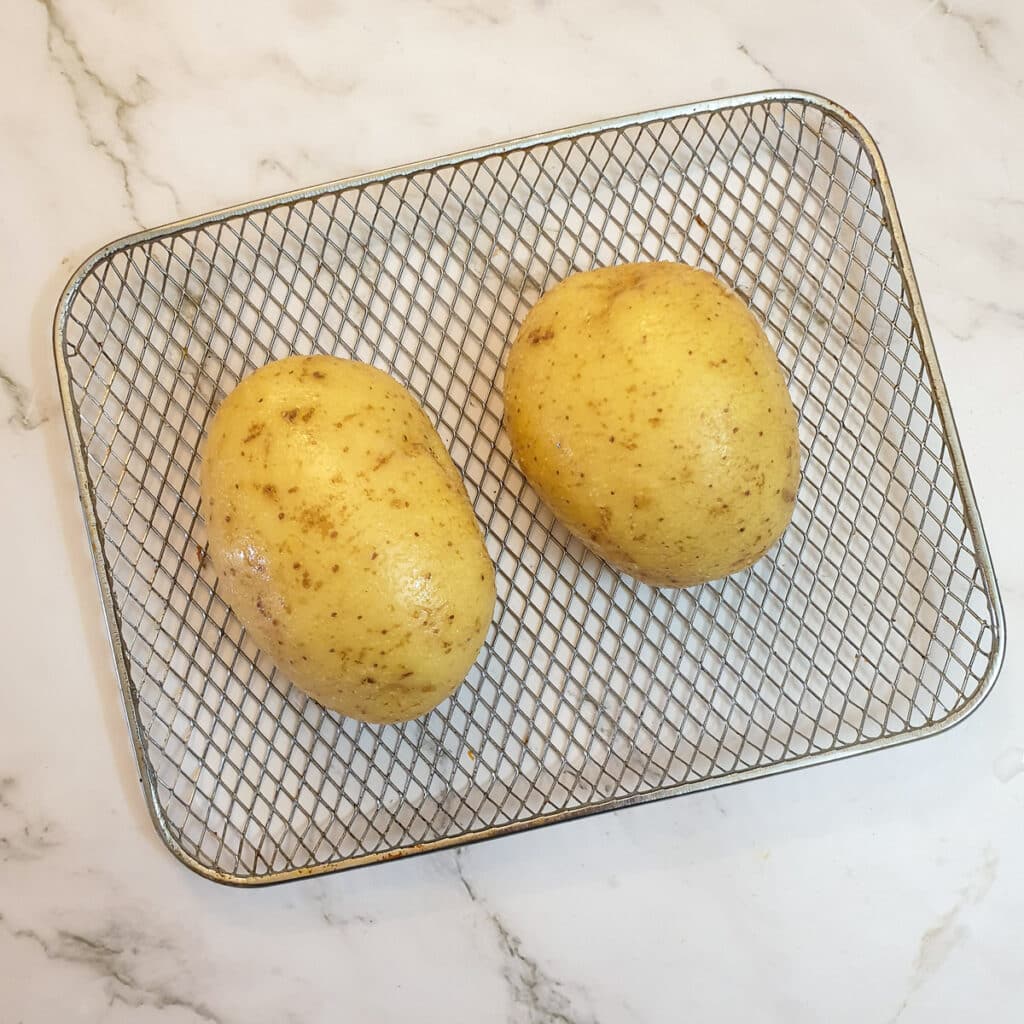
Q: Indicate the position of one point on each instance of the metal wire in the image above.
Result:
(875, 620)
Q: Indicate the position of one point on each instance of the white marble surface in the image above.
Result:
(882, 888)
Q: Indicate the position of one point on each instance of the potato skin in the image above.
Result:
(343, 538)
(648, 409)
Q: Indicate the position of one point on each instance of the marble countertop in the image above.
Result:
(879, 888)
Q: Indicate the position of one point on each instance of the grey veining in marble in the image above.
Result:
(536, 995)
(22, 413)
(105, 112)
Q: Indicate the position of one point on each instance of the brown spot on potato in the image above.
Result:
(270, 491)
(289, 415)
(254, 431)
(334, 568)
(314, 517)
(537, 335)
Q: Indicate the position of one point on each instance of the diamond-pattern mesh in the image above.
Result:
(872, 619)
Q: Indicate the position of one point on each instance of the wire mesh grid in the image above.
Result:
(876, 619)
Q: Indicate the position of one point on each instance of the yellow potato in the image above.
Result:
(646, 406)
(343, 538)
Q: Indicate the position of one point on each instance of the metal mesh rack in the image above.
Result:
(875, 620)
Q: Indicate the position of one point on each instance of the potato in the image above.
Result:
(343, 538)
(647, 408)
